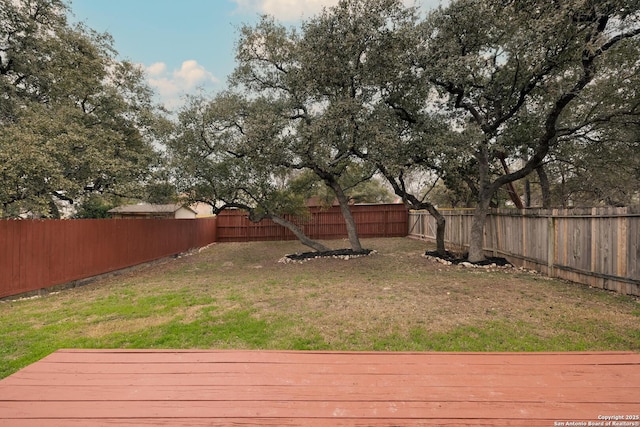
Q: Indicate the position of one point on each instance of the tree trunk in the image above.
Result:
(440, 228)
(54, 212)
(476, 252)
(485, 193)
(545, 187)
(304, 239)
(412, 202)
(352, 231)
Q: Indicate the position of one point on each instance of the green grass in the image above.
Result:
(238, 296)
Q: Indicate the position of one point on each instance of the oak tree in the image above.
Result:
(74, 120)
(321, 75)
(521, 73)
(215, 161)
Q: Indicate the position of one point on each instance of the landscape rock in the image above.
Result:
(344, 254)
(451, 259)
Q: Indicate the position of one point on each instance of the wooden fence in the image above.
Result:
(322, 224)
(39, 254)
(599, 247)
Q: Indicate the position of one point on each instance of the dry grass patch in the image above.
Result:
(237, 295)
(126, 326)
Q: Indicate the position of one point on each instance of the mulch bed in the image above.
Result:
(350, 253)
(456, 259)
(338, 253)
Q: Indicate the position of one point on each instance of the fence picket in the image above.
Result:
(599, 247)
(38, 254)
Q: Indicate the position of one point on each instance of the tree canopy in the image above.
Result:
(528, 77)
(216, 157)
(477, 94)
(74, 120)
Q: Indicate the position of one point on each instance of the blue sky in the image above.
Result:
(185, 45)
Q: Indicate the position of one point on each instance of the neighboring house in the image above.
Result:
(153, 211)
(203, 210)
(318, 202)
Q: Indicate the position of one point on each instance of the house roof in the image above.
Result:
(149, 208)
(317, 201)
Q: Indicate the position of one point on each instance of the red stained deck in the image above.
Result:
(73, 388)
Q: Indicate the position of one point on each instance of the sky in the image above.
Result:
(188, 45)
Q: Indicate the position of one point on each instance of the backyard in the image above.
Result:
(237, 295)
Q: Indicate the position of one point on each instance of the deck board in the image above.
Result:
(288, 388)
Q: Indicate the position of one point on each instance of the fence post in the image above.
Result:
(551, 242)
(493, 218)
(594, 221)
(523, 225)
(622, 243)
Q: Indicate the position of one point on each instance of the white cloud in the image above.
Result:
(286, 10)
(157, 69)
(193, 73)
(293, 10)
(172, 85)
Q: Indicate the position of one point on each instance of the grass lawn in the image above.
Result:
(237, 295)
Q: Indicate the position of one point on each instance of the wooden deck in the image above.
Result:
(73, 388)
